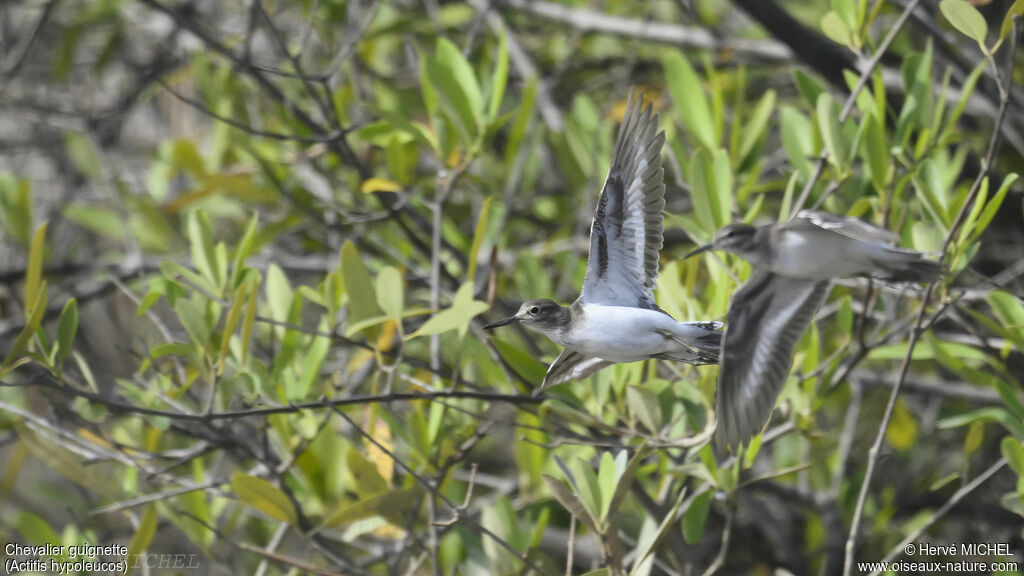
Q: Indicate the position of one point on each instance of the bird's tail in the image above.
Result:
(700, 342)
(899, 265)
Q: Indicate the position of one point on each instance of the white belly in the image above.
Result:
(620, 333)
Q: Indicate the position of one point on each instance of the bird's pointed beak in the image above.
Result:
(703, 248)
(500, 323)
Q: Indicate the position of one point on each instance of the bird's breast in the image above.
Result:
(617, 333)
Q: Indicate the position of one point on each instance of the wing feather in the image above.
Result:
(571, 365)
(850, 227)
(767, 317)
(626, 236)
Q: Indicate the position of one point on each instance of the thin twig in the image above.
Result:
(118, 406)
(723, 549)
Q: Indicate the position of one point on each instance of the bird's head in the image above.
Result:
(542, 315)
(737, 238)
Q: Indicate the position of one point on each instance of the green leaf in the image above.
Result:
(362, 301)
(685, 88)
(666, 524)
(1010, 399)
(144, 535)
(624, 478)
(193, 319)
(1010, 313)
(316, 353)
(755, 126)
(83, 154)
(902, 431)
(393, 505)
(452, 95)
(204, 257)
(478, 238)
(24, 338)
(696, 516)
(831, 130)
(499, 79)
(98, 220)
(34, 272)
(988, 414)
(847, 11)
(16, 208)
(567, 498)
(463, 309)
(876, 149)
(711, 188)
(966, 90)
(932, 192)
(279, 292)
(644, 405)
(522, 362)
(67, 326)
(243, 249)
(606, 479)
(835, 29)
(588, 490)
(1016, 10)
(450, 56)
(263, 496)
(1014, 454)
(365, 474)
(390, 295)
(974, 437)
(797, 140)
(966, 19)
(992, 207)
(808, 87)
(723, 187)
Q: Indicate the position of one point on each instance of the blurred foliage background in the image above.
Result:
(245, 248)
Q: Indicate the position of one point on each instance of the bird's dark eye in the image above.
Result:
(535, 310)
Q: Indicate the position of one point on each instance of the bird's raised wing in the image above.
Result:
(851, 227)
(571, 365)
(626, 236)
(766, 318)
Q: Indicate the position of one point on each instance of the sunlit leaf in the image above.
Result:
(966, 19)
(685, 87)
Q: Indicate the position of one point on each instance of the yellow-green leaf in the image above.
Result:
(263, 496)
(966, 19)
(371, 185)
(478, 238)
(144, 535)
(685, 88)
(390, 295)
(902, 432)
(34, 273)
(391, 505)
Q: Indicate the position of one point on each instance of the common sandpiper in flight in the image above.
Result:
(794, 264)
(615, 319)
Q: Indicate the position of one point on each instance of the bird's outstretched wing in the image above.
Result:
(626, 236)
(851, 227)
(570, 365)
(766, 318)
